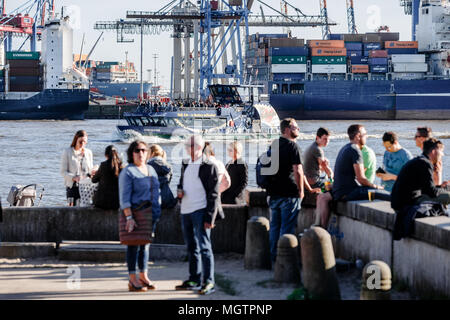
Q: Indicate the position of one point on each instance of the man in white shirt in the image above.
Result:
(199, 193)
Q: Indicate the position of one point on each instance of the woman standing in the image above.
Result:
(238, 171)
(107, 195)
(164, 170)
(76, 164)
(394, 159)
(139, 198)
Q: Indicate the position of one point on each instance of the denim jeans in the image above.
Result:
(361, 193)
(283, 220)
(198, 241)
(137, 254)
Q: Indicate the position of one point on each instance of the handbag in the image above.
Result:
(142, 234)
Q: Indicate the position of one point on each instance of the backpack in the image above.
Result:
(263, 180)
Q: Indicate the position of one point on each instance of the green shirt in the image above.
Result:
(370, 163)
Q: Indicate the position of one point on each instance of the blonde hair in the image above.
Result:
(236, 146)
(156, 151)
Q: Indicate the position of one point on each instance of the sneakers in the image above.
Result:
(188, 285)
(207, 289)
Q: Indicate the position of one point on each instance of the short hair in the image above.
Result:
(196, 140)
(79, 134)
(322, 131)
(286, 123)
(236, 146)
(208, 150)
(390, 137)
(431, 144)
(425, 132)
(131, 148)
(353, 130)
(156, 150)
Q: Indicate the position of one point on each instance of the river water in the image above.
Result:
(30, 151)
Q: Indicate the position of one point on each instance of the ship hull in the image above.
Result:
(45, 105)
(371, 100)
(129, 90)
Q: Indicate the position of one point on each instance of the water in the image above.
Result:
(31, 150)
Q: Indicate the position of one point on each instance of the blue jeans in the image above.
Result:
(137, 254)
(198, 241)
(361, 193)
(283, 220)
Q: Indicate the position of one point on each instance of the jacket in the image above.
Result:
(107, 194)
(164, 172)
(69, 165)
(209, 177)
(238, 171)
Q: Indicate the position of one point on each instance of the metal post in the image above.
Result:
(196, 66)
(142, 61)
(171, 79)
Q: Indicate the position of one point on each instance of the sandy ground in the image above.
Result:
(53, 279)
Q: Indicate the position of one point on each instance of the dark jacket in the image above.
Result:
(1, 212)
(238, 172)
(164, 172)
(209, 176)
(107, 194)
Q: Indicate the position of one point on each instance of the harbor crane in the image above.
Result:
(217, 26)
(325, 21)
(351, 17)
(411, 8)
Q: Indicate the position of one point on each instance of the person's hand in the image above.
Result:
(438, 166)
(315, 190)
(379, 187)
(209, 225)
(93, 172)
(131, 224)
(76, 179)
(445, 184)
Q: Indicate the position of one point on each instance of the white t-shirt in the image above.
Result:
(194, 194)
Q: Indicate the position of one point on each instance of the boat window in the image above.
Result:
(284, 88)
(297, 88)
(131, 121)
(145, 121)
(275, 88)
(138, 122)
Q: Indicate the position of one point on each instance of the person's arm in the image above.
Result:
(324, 165)
(437, 173)
(125, 188)
(98, 174)
(225, 181)
(426, 174)
(154, 194)
(69, 177)
(361, 178)
(299, 179)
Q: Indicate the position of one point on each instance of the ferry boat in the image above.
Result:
(230, 118)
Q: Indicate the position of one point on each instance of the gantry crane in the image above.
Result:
(412, 8)
(215, 26)
(351, 17)
(325, 21)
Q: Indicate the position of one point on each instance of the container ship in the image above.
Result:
(44, 85)
(358, 76)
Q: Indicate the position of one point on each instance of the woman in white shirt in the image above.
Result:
(76, 164)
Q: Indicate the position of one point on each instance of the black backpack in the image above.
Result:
(264, 161)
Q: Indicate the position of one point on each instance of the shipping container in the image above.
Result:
(386, 36)
(288, 59)
(392, 51)
(372, 46)
(328, 52)
(329, 68)
(287, 77)
(329, 60)
(378, 54)
(25, 88)
(288, 68)
(24, 72)
(407, 76)
(371, 38)
(335, 36)
(22, 55)
(378, 68)
(359, 60)
(24, 64)
(352, 37)
(290, 42)
(235, 2)
(354, 46)
(362, 68)
(326, 43)
(289, 51)
(408, 58)
(354, 53)
(25, 80)
(401, 44)
(410, 67)
(380, 61)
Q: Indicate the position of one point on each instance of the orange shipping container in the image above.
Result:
(362, 68)
(326, 43)
(401, 44)
(332, 52)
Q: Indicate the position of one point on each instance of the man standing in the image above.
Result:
(415, 184)
(199, 193)
(286, 189)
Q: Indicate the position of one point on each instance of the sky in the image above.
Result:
(369, 14)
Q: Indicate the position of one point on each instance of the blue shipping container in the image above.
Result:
(289, 51)
(378, 68)
(335, 36)
(273, 35)
(24, 80)
(354, 53)
(402, 51)
(379, 61)
(359, 60)
(354, 46)
(372, 46)
(286, 76)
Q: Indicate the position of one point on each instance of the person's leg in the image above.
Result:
(203, 237)
(131, 263)
(443, 198)
(289, 214)
(192, 248)
(143, 263)
(323, 209)
(275, 225)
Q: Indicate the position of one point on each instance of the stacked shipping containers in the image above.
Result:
(328, 56)
(24, 71)
(406, 63)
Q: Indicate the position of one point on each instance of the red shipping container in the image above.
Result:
(326, 43)
(360, 68)
(401, 44)
(378, 54)
(331, 52)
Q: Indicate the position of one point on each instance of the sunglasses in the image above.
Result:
(140, 150)
(416, 137)
(294, 128)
